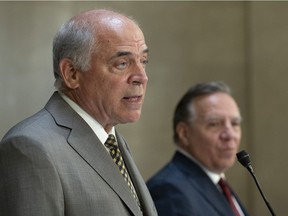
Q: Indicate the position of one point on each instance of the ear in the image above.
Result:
(69, 73)
(182, 130)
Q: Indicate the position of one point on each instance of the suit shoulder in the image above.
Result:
(29, 125)
(167, 174)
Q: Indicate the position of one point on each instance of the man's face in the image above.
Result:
(113, 90)
(215, 133)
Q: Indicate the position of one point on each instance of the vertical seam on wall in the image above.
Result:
(248, 94)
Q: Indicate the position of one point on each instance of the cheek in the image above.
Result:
(203, 143)
(207, 139)
(239, 135)
(238, 138)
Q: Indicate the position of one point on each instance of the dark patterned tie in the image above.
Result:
(227, 192)
(116, 155)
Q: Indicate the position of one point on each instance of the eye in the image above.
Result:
(144, 59)
(236, 123)
(144, 62)
(214, 124)
(121, 65)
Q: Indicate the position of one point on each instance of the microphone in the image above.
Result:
(243, 158)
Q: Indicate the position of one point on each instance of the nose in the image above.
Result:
(138, 75)
(228, 132)
(225, 135)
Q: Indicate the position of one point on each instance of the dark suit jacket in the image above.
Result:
(52, 164)
(182, 188)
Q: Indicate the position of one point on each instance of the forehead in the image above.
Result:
(216, 104)
(117, 30)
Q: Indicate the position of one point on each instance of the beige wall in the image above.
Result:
(242, 43)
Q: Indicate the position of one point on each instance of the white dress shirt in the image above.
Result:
(95, 125)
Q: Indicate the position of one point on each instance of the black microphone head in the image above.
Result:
(243, 158)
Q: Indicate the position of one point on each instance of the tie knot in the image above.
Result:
(224, 186)
(222, 183)
(111, 142)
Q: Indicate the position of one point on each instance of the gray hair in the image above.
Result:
(75, 40)
(183, 113)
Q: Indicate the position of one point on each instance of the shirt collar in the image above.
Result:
(94, 124)
(215, 177)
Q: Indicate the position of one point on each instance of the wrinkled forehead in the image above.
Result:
(121, 33)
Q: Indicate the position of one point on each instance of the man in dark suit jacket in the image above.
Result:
(207, 134)
(56, 162)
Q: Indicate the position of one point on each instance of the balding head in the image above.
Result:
(79, 38)
(101, 15)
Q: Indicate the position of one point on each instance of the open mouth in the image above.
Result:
(133, 98)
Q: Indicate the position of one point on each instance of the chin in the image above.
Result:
(130, 119)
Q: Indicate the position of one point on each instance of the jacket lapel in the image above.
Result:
(199, 179)
(83, 140)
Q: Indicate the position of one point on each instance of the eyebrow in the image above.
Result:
(127, 53)
(145, 51)
(209, 118)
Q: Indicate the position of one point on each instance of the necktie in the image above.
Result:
(227, 192)
(116, 155)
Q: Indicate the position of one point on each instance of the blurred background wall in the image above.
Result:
(244, 44)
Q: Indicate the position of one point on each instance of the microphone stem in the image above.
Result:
(261, 192)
